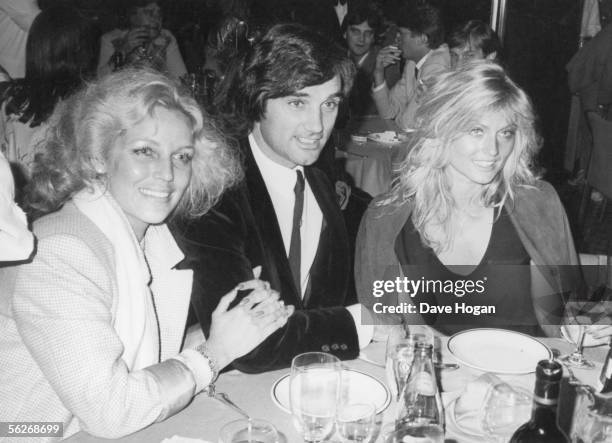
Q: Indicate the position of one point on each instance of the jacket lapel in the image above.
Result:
(333, 239)
(275, 262)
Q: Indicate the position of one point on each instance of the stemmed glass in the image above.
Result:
(575, 332)
(314, 392)
(581, 311)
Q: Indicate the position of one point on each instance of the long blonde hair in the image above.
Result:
(446, 110)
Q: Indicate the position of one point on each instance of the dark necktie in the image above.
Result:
(295, 247)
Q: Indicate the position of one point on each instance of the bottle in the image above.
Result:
(605, 378)
(420, 412)
(543, 428)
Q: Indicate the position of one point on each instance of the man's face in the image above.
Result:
(147, 16)
(413, 45)
(359, 38)
(295, 128)
(464, 54)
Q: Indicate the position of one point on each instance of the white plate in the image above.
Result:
(387, 137)
(362, 388)
(498, 350)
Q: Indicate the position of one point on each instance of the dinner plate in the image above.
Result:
(498, 350)
(362, 388)
(387, 137)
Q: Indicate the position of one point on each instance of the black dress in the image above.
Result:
(501, 282)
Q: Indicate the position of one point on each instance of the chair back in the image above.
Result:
(599, 174)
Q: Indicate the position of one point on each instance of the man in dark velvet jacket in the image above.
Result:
(283, 99)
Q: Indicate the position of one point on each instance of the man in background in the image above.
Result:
(421, 45)
(363, 26)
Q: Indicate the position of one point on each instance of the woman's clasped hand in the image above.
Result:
(236, 331)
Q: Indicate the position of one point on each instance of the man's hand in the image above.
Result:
(385, 57)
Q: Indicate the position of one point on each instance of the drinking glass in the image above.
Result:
(505, 409)
(248, 431)
(356, 422)
(592, 419)
(313, 394)
(588, 305)
(576, 333)
(402, 432)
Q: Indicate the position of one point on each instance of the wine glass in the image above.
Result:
(588, 305)
(356, 422)
(314, 391)
(576, 333)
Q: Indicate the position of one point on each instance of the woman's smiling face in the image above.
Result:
(480, 153)
(149, 167)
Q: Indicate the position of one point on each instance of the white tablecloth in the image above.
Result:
(204, 417)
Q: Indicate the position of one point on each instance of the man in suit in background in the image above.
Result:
(421, 45)
(363, 26)
(283, 101)
(324, 16)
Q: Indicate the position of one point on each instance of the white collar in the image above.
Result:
(423, 59)
(271, 170)
(362, 59)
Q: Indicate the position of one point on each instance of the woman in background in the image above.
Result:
(61, 53)
(468, 207)
(91, 330)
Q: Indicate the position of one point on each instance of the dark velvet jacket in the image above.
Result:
(242, 232)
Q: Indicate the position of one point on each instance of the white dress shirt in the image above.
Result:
(341, 11)
(279, 179)
(280, 182)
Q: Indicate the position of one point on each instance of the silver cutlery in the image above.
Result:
(224, 398)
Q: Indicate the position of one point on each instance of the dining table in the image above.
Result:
(370, 163)
(205, 416)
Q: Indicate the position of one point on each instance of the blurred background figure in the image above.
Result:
(420, 43)
(61, 53)
(16, 17)
(363, 26)
(225, 42)
(143, 42)
(16, 240)
(471, 41)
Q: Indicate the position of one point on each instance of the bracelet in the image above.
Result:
(212, 363)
